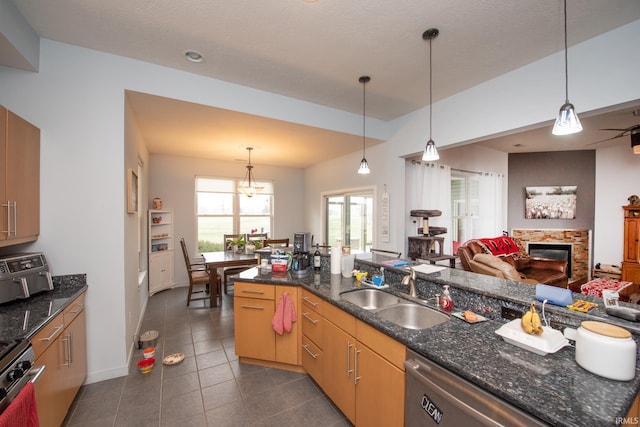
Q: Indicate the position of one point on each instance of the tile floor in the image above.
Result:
(210, 388)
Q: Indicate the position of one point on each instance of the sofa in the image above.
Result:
(484, 256)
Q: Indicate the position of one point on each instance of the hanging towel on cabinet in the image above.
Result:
(285, 314)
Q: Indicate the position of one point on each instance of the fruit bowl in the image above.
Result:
(146, 365)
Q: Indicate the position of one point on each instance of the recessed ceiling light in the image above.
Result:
(194, 56)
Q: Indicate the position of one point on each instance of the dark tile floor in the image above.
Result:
(209, 388)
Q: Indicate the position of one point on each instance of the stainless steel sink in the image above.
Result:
(370, 299)
(395, 309)
(412, 316)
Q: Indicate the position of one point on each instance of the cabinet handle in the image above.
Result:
(349, 370)
(77, 309)
(309, 318)
(53, 334)
(8, 230)
(15, 218)
(355, 363)
(255, 307)
(306, 347)
(67, 342)
(315, 304)
(25, 286)
(252, 291)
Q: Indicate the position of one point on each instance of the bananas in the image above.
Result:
(530, 321)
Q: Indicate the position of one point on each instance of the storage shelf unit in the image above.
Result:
(161, 250)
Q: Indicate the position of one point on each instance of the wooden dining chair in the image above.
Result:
(198, 277)
(276, 242)
(230, 271)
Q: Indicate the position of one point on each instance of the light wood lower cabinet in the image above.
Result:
(61, 346)
(254, 309)
(312, 336)
(363, 370)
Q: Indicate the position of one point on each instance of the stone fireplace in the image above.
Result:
(578, 240)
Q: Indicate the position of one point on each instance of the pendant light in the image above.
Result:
(567, 121)
(430, 152)
(248, 186)
(364, 166)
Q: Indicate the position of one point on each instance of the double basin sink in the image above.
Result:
(402, 312)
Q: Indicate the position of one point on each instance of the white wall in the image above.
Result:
(77, 100)
(172, 179)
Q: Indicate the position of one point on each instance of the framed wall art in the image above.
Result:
(555, 202)
(132, 192)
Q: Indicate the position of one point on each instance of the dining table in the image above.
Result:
(222, 259)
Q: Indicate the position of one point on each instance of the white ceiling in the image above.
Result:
(316, 50)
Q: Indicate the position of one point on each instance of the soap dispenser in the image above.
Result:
(446, 303)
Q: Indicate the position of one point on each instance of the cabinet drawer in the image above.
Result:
(312, 302)
(312, 359)
(72, 311)
(312, 325)
(254, 290)
(47, 335)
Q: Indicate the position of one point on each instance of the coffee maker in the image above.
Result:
(301, 251)
(301, 242)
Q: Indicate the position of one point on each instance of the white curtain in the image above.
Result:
(490, 223)
(429, 188)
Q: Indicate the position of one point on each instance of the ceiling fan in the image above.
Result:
(633, 130)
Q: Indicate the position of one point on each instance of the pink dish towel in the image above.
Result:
(285, 314)
(22, 412)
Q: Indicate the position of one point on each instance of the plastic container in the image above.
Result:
(446, 303)
(146, 365)
(149, 352)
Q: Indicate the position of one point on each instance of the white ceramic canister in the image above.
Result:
(605, 350)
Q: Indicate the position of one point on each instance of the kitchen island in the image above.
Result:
(552, 388)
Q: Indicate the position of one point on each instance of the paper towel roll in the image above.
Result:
(336, 260)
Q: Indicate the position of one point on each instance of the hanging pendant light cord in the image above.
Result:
(364, 114)
(566, 61)
(430, 91)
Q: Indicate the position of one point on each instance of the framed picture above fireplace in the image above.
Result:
(554, 202)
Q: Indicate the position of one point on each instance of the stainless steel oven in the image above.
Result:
(16, 369)
(23, 275)
(437, 397)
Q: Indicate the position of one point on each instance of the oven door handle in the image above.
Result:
(37, 373)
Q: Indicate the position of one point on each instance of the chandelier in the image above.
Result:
(249, 186)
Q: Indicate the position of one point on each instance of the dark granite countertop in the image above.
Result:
(553, 388)
(42, 307)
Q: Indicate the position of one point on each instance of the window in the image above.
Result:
(349, 220)
(221, 209)
(464, 206)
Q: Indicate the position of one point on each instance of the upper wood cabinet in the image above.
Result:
(20, 174)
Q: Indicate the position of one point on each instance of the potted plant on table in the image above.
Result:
(237, 244)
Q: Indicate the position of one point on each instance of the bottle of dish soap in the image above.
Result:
(446, 303)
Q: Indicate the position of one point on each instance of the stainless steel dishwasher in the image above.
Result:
(435, 396)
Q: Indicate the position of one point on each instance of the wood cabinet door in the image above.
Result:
(288, 344)
(254, 335)
(50, 388)
(631, 240)
(23, 177)
(379, 390)
(338, 369)
(312, 360)
(75, 340)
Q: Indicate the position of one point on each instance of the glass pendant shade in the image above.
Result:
(567, 121)
(430, 153)
(364, 167)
